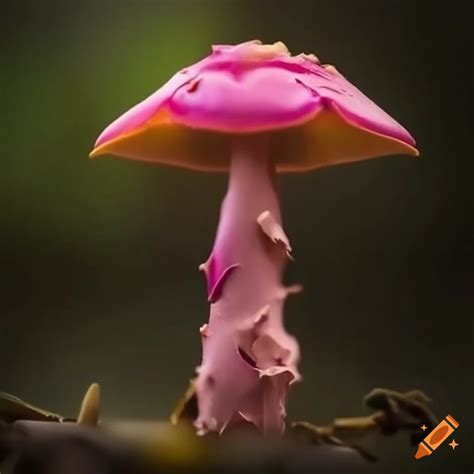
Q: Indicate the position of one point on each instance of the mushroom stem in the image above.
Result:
(245, 343)
(252, 182)
(251, 192)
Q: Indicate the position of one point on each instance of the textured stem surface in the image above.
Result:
(248, 358)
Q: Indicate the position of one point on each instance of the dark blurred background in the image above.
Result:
(99, 258)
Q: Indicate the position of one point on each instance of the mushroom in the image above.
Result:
(254, 110)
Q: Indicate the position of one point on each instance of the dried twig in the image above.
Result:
(396, 411)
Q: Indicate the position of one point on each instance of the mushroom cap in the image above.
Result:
(315, 116)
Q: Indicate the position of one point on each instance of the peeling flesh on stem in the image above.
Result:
(247, 353)
(274, 231)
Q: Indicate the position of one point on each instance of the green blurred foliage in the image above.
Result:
(66, 79)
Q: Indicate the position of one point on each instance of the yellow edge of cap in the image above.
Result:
(163, 118)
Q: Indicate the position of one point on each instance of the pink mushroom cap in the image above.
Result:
(316, 117)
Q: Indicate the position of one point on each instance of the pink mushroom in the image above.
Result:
(254, 110)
